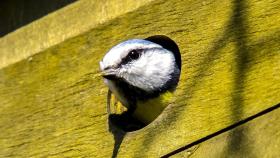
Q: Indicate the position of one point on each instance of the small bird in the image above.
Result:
(138, 71)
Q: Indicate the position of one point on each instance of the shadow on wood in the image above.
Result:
(236, 30)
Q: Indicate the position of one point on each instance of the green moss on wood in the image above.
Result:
(54, 104)
(256, 138)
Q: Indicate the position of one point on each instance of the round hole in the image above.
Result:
(149, 105)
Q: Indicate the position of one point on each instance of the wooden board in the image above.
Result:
(257, 138)
(54, 103)
(15, 14)
(59, 26)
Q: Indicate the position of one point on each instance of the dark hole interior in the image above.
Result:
(125, 122)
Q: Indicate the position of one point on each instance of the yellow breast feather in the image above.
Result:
(146, 111)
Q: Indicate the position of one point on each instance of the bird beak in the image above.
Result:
(109, 73)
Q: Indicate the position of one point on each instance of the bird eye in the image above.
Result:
(133, 55)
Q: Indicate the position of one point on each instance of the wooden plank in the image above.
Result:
(15, 14)
(60, 25)
(257, 138)
(54, 103)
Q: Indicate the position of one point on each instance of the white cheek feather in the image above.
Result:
(151, 71)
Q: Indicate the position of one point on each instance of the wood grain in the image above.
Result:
(258, 138)
(60, 25)
(54, 104)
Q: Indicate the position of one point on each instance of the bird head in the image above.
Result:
(139, 69)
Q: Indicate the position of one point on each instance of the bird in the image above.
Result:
(141, 71)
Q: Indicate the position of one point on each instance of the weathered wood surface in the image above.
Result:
(258, 138)
(15, 14)
(53, 104)
(61, 25)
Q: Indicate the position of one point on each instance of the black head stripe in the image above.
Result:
(132, 55)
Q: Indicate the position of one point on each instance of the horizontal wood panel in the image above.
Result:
(257, 138)
(15, 14)
(53, 104)
(60, 25)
